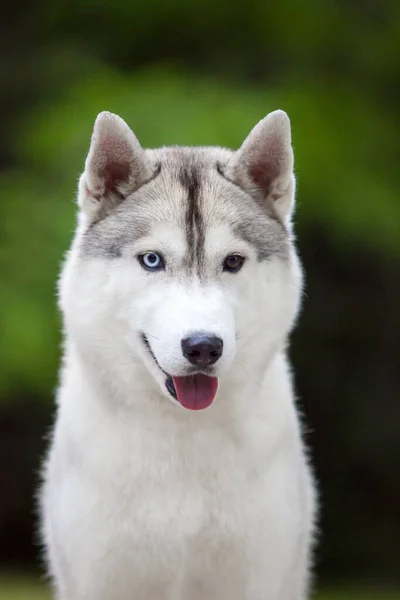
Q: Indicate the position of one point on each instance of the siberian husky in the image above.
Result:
(177, 469)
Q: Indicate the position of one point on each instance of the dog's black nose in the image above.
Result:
(202, 349)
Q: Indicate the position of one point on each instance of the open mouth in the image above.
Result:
(194, 392)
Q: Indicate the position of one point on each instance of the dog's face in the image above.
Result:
(183, 258)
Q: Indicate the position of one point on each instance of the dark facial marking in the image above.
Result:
(114, 251)
(265, 204)
(267, 236)
(114, 228)
(110, 235)
(221, 171)
(156, 173)
(189, 177)
(264, 231)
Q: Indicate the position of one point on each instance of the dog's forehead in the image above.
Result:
(190, 182)
(189, 192)
(200, 198)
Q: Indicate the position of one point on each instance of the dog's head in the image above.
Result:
(183, 259)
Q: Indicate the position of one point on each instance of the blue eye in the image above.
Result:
(151, 261)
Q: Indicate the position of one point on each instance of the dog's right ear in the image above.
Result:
(115, 167)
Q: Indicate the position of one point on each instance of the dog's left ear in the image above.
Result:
(115, 167)
(263, 165)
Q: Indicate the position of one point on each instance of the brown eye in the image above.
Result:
(233, 263)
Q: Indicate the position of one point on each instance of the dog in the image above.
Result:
(177, 468)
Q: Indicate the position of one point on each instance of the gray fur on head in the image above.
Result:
(125, 189)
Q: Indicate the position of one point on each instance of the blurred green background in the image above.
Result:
(202, 72)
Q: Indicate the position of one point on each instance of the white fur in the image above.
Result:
(145, 500)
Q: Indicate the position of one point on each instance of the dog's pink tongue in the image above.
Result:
(196, 392)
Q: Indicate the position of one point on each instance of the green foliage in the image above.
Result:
(10, 589)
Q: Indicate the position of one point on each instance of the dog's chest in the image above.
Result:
(170, 506)
(176, 520)
(180, 479)
(152, 487)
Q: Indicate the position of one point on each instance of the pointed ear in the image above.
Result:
(115, 166)
(264, 164)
